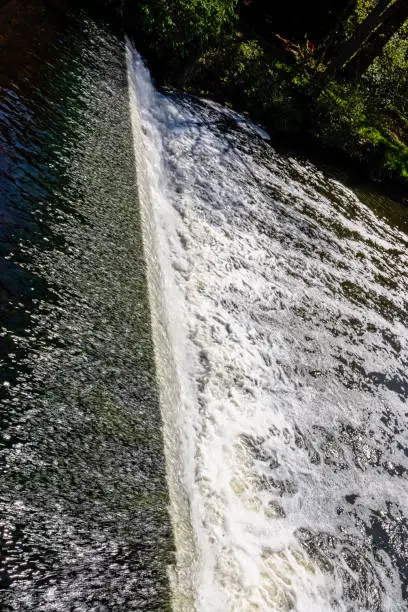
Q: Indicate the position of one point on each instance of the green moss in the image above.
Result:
(395, 153)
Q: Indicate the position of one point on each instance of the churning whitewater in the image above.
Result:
(279, 315)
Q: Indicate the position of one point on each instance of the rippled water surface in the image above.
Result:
(83, 497)
(286, 297)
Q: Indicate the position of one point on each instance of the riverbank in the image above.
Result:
(210, 50)
(301, 107)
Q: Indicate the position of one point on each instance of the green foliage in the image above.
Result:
(347, 118)
(361, 11)
(366, 121)
(194, 44)
(363, 8)
(243, 72)
(386, 81)
(180, 30)
(338, 113)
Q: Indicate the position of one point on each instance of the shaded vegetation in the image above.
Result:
(346, 90)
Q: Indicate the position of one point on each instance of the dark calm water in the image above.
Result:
(83, 499)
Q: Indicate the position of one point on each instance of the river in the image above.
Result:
(204, 347)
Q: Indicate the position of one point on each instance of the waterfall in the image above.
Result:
(173, 397)
(279, 343)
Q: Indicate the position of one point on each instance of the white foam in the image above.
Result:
(262, 276)
(174, 396)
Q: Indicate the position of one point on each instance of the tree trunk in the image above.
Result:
(346, 50)
(394, 18)
(333, 38)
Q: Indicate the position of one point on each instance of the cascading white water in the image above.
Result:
(173, 394)
(279, 319)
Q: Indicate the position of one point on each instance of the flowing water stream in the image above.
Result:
(285, 303)
(204, 351)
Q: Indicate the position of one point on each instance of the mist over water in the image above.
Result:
(284, 297)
